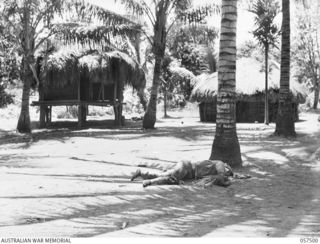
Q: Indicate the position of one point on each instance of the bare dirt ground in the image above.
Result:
(75, 183)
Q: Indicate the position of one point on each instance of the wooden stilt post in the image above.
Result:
(84, 114)
(120, 95)
(80, 110)
(49, 114)
(42, 119)
(80, 116)
(117, 120)
(42, 116)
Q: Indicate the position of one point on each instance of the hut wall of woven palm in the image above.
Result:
(66, 66)
(250, 83)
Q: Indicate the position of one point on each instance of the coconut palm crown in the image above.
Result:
(162, 15)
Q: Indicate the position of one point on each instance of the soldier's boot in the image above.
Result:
(144, 176)
(136, 175)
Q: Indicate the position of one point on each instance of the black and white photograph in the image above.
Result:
(152, 119)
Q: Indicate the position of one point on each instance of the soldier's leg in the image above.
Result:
(144, 175)
(163, 180)
(181, 171)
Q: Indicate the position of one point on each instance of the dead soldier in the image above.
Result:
(186, 170)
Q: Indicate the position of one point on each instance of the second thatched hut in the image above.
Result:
(249, 93)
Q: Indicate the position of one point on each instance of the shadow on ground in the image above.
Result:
(281, 198)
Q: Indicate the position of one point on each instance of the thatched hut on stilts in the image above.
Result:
(250, 93)
(83, 79)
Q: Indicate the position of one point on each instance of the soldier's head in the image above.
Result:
(228, 170)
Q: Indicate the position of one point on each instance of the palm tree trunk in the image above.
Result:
(226, 146)
(158, 49)
(285, 118)
(266, 101)
(142, 98)
(24, 124)
(150, 118)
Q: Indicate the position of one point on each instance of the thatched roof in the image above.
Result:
(250, 80)
(66, 67)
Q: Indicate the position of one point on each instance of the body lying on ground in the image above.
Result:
(187, 170)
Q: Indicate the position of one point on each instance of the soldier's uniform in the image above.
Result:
(187, 170)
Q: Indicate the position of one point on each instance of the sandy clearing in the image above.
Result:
(76, 183)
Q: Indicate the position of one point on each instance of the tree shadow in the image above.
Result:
(276, 199)
(181, 211)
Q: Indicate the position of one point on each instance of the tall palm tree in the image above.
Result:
(266, 33)
(159, 13)
(226, 146)
(285, 119)
(31, 18)
(158, 49)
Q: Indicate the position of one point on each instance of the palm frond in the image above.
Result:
(135, 7)
(97, 34)
(106, 16)
(198, 14)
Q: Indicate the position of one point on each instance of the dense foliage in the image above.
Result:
(193, 46)
(307, 51)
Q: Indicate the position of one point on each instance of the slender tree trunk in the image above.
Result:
(137, 42)
(158, 49)
(266, 100)
(285, 118)
(142, 98)
(27, 76)
(165, 101)
(316, 94)
(226, 145)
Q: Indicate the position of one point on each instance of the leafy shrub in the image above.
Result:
(5, 98)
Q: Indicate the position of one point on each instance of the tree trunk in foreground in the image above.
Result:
(24, 124)
(150, 118)
(142, 98)
(266, 100)
(226, 145)
(27, 41)
(158, 49)
(285, 118)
